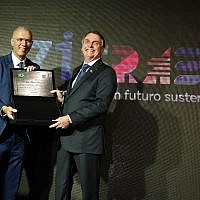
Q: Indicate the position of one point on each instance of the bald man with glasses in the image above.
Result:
(12, 137)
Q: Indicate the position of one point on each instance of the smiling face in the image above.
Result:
(92, 47)
(21, 42)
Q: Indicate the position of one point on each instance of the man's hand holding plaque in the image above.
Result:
(9, 112)
(59, 94)
(62, 122)
(29, 68)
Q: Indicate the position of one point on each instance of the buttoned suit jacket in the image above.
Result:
(87, 104)
(6, 63)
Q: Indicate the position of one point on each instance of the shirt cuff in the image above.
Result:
(69, 118)
(2, 114)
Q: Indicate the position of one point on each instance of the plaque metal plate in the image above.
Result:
(32, 98)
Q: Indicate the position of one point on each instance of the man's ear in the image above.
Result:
(12, 42)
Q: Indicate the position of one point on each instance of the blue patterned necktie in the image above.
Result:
(82, 72)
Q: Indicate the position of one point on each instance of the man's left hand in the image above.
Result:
(61, 122)
(29, 68)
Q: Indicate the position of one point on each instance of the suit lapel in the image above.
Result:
(28, 62)
(83, 79)
(69, 88)
(94, 69)
(7, 64)
(8, 61)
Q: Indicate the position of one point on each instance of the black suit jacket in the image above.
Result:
(87, 104)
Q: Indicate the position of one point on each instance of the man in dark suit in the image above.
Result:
(12, 137)
(85, 105)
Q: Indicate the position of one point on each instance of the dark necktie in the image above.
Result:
(82, 72)
(21, 65)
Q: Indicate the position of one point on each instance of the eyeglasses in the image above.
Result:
(22, 40)
(93, 43)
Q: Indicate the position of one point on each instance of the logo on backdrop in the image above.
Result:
(179, 67)
(187, 65)
(173, 67)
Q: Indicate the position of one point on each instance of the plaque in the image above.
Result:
(32, 98)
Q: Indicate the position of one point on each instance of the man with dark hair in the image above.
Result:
(85, 104)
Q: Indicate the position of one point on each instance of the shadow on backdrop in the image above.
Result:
(131, 144)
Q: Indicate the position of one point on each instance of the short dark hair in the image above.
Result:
(99, 34)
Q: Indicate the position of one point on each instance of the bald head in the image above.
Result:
(21, 28)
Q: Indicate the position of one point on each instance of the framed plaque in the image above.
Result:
(32, 98)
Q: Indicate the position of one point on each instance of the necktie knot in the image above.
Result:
(83, 70)
(21, 64)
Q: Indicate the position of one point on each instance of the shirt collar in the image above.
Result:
(92, 62)
(16, 60)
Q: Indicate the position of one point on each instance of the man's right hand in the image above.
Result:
(9, 111)
(59, 94)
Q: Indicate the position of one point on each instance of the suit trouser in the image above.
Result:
(88, 167)
(11, 160)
